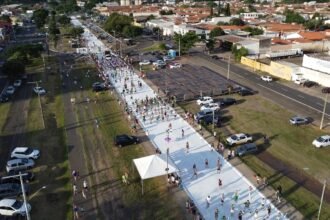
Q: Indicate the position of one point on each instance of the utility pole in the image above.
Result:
(228, 67)
(42, 114)
(326, 91)
(324, 184)
(180, 46)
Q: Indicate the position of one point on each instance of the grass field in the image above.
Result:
(154, 47)
(157, 203)
(257, 116)
(52, 168)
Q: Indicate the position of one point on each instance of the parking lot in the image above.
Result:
(183, 82)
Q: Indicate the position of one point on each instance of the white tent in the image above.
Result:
(154, 165)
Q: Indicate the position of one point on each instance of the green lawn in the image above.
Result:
(258, 116)
(52, 168)
(155, 47)
(149, 206)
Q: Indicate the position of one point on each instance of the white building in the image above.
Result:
(251, 15)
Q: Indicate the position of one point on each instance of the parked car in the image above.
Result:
(18, 83)
(168, 58)
(123, 140)
(159, 63)
(175, 65)
(245, 92)
(4, 97)
(10, 90)
(204, 100)
(200, 115)
(207, 119)
(239, 139)
(215, 57)
(25, 152)
(19, 164)
(322, 141)
(10, 190)
(210, 106)
(310, 84)
(98, 86)
(267, 78)
(39, 90)
(246, 149)
(227, 101)
(298, 120)
(26, 177)
(300, 81)
(13, 207)
(144, 62)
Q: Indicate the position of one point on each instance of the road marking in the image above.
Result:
(301, 96)
(284, 89)
(294, 100)
(319, 104)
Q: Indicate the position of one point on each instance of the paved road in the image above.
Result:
(312, 103)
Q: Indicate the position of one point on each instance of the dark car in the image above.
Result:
(8, 190)
(245, 92)
(246, 149)
(209, 118)
(26, 176)
(4, 97)
(122, 140)
(200, 115)
(309, 84)
(97, 87)
(215, 57)
(227, 102)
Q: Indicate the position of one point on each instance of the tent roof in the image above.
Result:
(154, 165)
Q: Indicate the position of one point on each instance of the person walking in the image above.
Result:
(208, 201)
(222, 199)
(83, 194)
(75, 175)
(182, 133)
(187, 147)
(195, 170)
(218, 165)
(269, 210)
(216, 214)
(76, 212)
(85, 186)
(220, 183)
(206, 163)
(75, 189)
(235, 196)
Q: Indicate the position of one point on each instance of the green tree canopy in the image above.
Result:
(238, 53)
(210, 44)
(40, 17)
(216, 32)
(185, 42)
(132, 31)
(117, 22)
(76, 32)
(24, 52)
(254, 31)
(227, 10)
(293, 17)
(236, 21)
(64, 20)
(13, 68)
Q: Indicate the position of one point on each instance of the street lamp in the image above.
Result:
(167, 153)
(228, 71)
(319, 213)
(37, 85)
(36, 192)
(326, 91)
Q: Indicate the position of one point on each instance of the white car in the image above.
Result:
(19, 164)
(144, 62)
(25, 152)
(239, 139)
(175, 65)
(300, 81)
(10, 90)
(168, 58)
(322, 141)
(18, 83)
(39, 90)
(159, 63)
(267, 78)
(204, 100)
(13, 207)
(211, 106)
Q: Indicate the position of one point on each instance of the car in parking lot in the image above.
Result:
(98, 86)
(300, 81)
(204, 113)
(124, 139)
(18, 83)
(13, 207)
(19, 164)
(4, 97)
(310, 84)
(208, 119)
(204, 100)
(215, 57)
(39, 90)
(26, 177)
(210, 106)
(298, 120)
(159, 63)
(245, 91)
(168, 58)
(25, 152)
(144, 62)
(175, 65)
(11, 190)
(246, 149)
(227, 101)
(267, 78)
(239, 139)
(323, 141)
(10, 90)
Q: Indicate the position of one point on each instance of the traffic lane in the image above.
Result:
(306, 100)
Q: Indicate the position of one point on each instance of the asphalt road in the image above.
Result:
(314, 103)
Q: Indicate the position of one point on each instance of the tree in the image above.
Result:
(252, 8)
(210, 44)
(40, 17)
(240, 10)
(132, 31)
(76, 32)
(186, 41)
(236, 21)
(166, 12)
(117, 22)
(293, 17)
(227, 10)
(238, 53)
(249, 2)
(64, 20)
(53, 29)
(216, 32)
(13, 68)
(254, 31)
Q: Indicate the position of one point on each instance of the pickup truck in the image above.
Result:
(239, 139)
